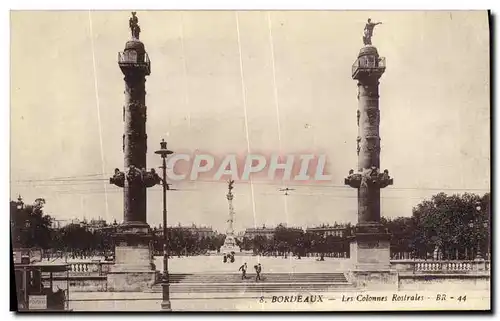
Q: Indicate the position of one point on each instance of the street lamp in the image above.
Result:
(486, 227)
(164, 152)
(478, 215)
(20, 203)
(476, 225)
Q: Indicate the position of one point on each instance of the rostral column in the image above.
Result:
(370, 245)
(134, 269)
(230, 241)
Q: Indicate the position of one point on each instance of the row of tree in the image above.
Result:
(446, 227)
(184, 242)
(297, 242)
(31, 228)
(455, 227)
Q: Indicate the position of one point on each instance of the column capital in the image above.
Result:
(368, 178)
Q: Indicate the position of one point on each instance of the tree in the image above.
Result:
(30, 227)
(403, 231)
(77, 239)
(453, 224)
(245, 244)
(259, 243)
(289, 239)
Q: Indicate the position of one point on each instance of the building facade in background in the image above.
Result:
(326, 230)
(198, 231)
(267, 232)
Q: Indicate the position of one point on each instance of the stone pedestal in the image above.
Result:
(370, 255)
(134, 270)
(370, 247)
(229, 245)
(375, 280)
(370, 258)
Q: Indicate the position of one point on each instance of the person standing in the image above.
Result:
(258, 270)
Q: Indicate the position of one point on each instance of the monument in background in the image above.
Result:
(230, 241)
(370, 245)
(134, 269)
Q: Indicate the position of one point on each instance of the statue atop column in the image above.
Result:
(133, 23)
(230, 188)
(368, 32)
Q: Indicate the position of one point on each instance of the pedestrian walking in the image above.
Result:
(243, 270)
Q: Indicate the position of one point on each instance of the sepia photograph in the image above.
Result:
(250, 161)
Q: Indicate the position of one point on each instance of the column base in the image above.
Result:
(134, 270)
(228, 249)
(375, 280)
(133, 227)
(129, 281)
(166, 306)
(370, 254)
(229, 245)
(370, 250)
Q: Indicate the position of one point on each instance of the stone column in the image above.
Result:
(134, 269)
(134, 144)
(230, 242)
(370, 246)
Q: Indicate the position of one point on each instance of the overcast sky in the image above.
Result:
(67, 98)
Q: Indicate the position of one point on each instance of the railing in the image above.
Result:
(368, 63)
(443, 266)
(90, 268)
(404, 266)
(422, 266)
(131, 57)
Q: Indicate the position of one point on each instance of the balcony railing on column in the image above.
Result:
(131, 58)
(368, 64)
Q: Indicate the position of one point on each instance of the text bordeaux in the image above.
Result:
(296, 298)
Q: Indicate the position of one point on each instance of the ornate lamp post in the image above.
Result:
(476, 225)
(486, 227)
(20, 203)
(17, 232)
(164, 152)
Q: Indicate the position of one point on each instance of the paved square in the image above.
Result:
(214, 264)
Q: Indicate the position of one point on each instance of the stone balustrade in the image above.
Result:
(443, 266)
(89, 268)
(99, 268)
(431, 267)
